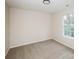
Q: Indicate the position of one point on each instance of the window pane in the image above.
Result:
(69, 25)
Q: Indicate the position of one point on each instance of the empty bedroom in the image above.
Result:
(39, 29)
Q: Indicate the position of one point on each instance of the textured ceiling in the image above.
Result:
(53, 7)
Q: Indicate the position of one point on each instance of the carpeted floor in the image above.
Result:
(49, 49)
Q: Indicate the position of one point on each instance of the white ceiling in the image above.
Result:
(54, 6)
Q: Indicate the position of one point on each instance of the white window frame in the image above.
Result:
(66, 36)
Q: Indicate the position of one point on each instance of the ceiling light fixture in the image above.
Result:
(46, 1)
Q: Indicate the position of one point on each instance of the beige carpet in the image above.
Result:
(43, 50)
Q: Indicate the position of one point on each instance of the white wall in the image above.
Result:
(57, 29)
(32, 26)
(28, 27)
(6, 29)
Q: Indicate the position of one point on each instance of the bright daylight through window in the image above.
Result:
(69, 26)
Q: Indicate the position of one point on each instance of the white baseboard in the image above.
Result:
(6, 52)
(31, 42)
(65, 44)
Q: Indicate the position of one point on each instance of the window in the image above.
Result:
(69, 26)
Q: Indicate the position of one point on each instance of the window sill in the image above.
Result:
(68, 37)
